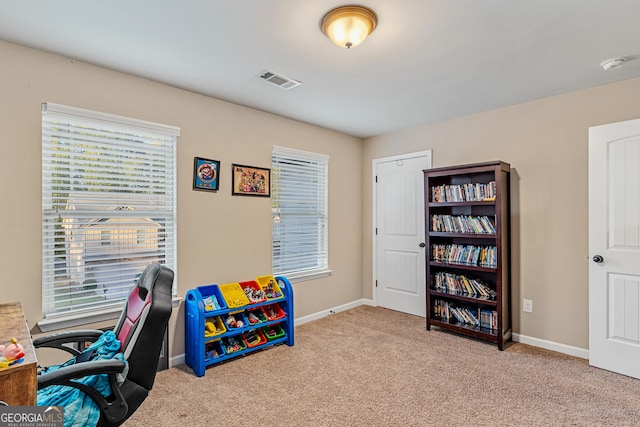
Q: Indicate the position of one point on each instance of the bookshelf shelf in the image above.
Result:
(484, 334)
(451, 204)
(466, 298)
(435, 264)
(462, 235)
(469, 298)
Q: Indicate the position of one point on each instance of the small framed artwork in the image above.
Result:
(206, 174)
(250, 181)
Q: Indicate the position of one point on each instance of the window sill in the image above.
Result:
(307, 275)
(72, 321)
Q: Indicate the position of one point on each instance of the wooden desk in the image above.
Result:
(18, 382)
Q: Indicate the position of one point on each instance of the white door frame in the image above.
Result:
(374, 215)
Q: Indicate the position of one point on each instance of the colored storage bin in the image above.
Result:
(213, 326)
(255, 316)
(253, 291)
(274, 311)
(233, 344)
(213, 350)
(204, 349)
(233, 295)
(269, 285)
(273, 332)
(235, 320)
(254, 337)
(210, 297)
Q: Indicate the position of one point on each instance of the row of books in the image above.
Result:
(463, 193)
(479, 317)
(458, 284)
(462, 224)
(483, 256)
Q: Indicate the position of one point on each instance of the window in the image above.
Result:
(108, 210)
(299, 197)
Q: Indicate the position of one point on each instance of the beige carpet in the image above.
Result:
(376, 367)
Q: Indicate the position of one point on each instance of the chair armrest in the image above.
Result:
(114, 409)
(80, 370)
(58, 340)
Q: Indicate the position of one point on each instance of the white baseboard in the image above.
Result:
(550, 345)
(334, 310)
(177, 360)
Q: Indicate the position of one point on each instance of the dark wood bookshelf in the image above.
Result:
(494, 179)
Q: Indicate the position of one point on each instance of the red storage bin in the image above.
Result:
(274, 312)
(253, 291)
(254, 337)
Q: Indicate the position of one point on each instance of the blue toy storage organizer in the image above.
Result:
(205, 348)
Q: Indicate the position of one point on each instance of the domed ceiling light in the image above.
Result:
(348, 26)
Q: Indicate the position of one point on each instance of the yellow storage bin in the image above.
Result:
(213, 326)
(233, 295)
(269, 285)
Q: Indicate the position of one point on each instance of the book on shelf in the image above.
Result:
(471, 255)
(462, 224)
(470, 192)
(488, 319)
(455, 284)
(479, 317)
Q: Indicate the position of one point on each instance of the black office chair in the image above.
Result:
(140, 331)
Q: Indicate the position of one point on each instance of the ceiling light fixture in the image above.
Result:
(348, 26)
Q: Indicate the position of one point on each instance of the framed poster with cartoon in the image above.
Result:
(250, 181)
(206, 174)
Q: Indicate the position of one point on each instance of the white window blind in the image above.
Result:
(108, 207)
(300, 213)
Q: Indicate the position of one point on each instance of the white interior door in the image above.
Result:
(399, 258)
(614, 247)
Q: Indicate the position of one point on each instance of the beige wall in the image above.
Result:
(546, 143)
(221, 238)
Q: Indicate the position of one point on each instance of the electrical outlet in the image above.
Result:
(527, 305)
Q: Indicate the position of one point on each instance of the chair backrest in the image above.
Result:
(143, 321)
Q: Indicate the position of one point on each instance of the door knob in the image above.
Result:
(422, 245)
(598, 259)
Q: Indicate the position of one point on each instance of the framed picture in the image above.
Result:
(250, 181)
(206, 174)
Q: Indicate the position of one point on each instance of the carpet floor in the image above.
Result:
(376, 367)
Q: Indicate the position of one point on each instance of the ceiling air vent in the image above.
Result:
(279, 80)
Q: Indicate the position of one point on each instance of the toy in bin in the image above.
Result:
(233, 345)
(254, 337)
(253, 292)
(234, 295)
(256, 316)
(273, 332)
(271, 290)
(235, 320)
(270, 287)
(274, 312)
(211, 303)
(213, 327)
(212, 350)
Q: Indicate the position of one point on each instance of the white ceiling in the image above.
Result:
(427, 61)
